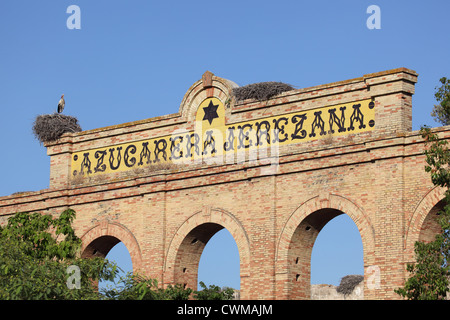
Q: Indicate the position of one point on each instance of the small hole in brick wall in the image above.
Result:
(184, 270)
(194, 241)
(184, 285)
(297, 276)
(308, 228)
(296, 260)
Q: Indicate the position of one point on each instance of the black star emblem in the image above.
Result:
(210, 112)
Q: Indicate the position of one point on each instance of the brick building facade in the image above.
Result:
(271, 172)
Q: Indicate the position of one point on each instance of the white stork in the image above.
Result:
(61, 104)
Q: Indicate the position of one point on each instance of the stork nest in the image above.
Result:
(348, 283)
(261, 91)
(50, 127)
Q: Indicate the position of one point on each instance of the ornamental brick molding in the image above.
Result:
(271, 172)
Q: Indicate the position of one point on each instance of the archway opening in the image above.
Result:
(121, 256)
(337, 253)
(114, 250)
(196, 246)
(300, 253)
(100, 247)
(430, 226)
(219, 262)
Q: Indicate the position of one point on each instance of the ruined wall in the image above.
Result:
(328, 292)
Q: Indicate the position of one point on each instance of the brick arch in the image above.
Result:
(105, 235)
(213, 220)
(215, 87)
(414, 225)
(329, 206)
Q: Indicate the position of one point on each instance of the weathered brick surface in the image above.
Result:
(165, 217)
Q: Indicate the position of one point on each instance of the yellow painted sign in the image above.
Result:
(214, 141)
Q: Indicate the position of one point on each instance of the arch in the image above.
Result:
(103, 236)
(413, 229)
(316, 212)
(209, 86)
(202, 226)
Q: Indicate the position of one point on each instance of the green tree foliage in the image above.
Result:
(139, 287)
(213, 292)
(35, 252)
(429, 274)
(441, 111)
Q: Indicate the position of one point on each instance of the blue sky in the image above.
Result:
(133, 60)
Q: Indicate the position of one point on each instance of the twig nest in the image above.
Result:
(50, 127)
(261, 91)
(348, 283)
